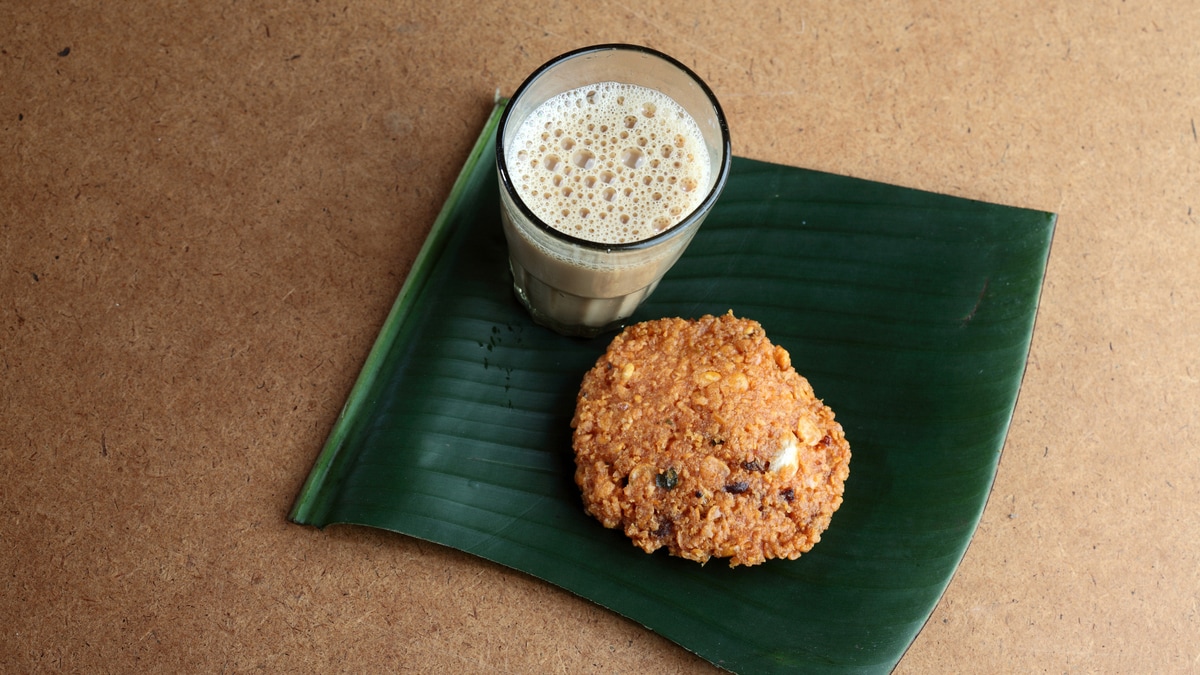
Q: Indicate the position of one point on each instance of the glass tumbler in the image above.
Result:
(573, 285)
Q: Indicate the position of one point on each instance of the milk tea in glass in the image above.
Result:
(609, 158)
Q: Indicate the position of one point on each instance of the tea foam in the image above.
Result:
(610, 162)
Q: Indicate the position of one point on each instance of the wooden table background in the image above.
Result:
(207, 208)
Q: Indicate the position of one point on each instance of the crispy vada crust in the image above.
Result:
(699, 436)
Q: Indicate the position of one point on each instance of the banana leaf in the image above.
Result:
(910, 312)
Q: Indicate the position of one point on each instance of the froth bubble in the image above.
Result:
(584, 159)
(632, 158)
(630, 122)
(648, 109)
(550, 162)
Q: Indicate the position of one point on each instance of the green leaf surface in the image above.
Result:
(910, 313)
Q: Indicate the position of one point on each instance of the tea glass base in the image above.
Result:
(574, 315)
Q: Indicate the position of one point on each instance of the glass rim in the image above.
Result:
(675, 230)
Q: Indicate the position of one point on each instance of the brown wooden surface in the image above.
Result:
(206, 210)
